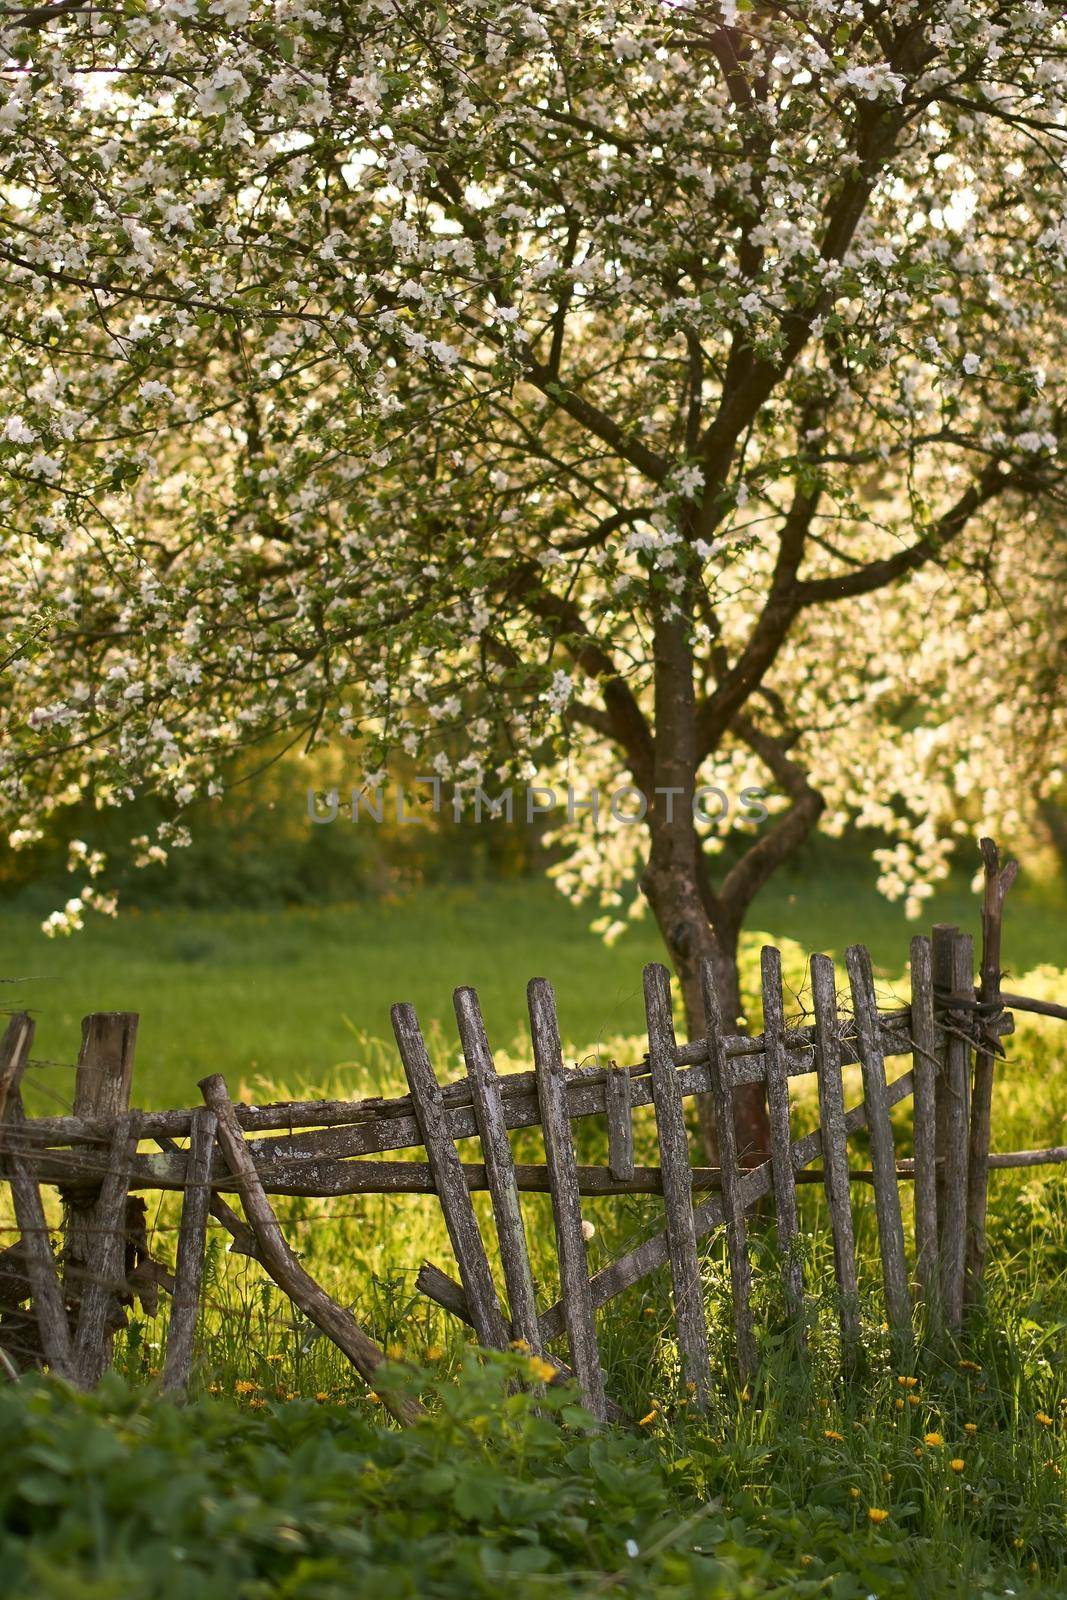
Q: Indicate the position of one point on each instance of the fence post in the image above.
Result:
(91, 1220)
(998, 880)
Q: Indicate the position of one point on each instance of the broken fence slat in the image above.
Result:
(733, 1207)
(462, 1224)
(785, 1191)
(925, 1065)
(835, 1151)
(192, 1238)
(566, 1209)
(279, 1261)
(883, 1155)
(677, 1185)
(499, 1168)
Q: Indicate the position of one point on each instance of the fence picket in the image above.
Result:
(883, 1155)
(192, 1237)
(955, 1106)
(785, 1192)
(925, 1065)
(733, 1208)
(499, 1168)
(449, 1181)
(563, 1181)
(835, 1150)
(677, 1184)
(618, 1103)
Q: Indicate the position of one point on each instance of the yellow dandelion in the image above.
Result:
(968, 1366)
(274, 1360)
(321, 1396)
(374, 1397)
(214, 1388)
(957, 1464)
(831, 1433)
(257, 1403)
(914, 1400)
(1044, 1419)
(1054, 1469)
(1018, 1544)
(245, 1386)
(649, 1311)
(933, 1440)
(646, 1420)
(806, 1561)
(395, 1352)
(434, 1352)
(542, 1370)
(875, 1514)
(917, 1452)
(520, 1344)
(907, 1383)
(970, 1427)
(898, 1405)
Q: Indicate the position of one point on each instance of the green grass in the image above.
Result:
(291, 995)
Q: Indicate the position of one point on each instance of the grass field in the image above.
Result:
(292, 995)
(280, 1477)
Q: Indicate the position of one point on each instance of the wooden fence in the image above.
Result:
(63, 1311)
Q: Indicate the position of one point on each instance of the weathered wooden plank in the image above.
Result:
(275, 1255)
(566, 1209)
(956, 1108)
(785, 1192)
(49, 1307)
(942, 938)
(104, 1282)
(618, 1103)
(189, 1268)
(342, 1128)
(835, 1151)
(93, 1253)
(998, 880)
(926, 1062)
(883, 1155)
(499, 1168)
(449, 1181)
(677, 1185)
(733, 1204)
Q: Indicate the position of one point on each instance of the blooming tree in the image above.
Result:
(595, 387)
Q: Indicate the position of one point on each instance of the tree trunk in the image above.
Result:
(691, 939)
(675, 878)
